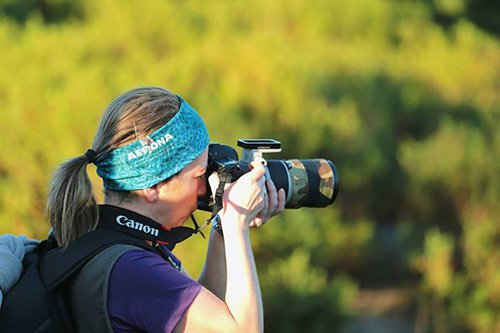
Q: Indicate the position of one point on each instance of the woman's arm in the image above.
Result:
(213, 275)
(239, 309)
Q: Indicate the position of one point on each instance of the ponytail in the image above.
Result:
(71, 206)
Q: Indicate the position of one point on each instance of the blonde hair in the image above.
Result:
(71, 205)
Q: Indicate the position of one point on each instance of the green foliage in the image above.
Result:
(401, 95)
(52, 11)
(436, 263)
(460, 301)
(304, 293)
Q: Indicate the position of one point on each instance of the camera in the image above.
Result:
(307, 183)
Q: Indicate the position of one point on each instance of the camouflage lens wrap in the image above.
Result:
(299, 188)
(314, 183)
(328, 181)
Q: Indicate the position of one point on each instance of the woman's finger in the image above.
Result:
(263, 215)
(265, 209)
(273, 196)
(258, 170)
(281, 202)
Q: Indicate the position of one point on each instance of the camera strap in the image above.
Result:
(141, 227)
(224, 178)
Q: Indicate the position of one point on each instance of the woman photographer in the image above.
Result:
(151, 151)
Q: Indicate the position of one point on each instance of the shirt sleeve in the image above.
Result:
(146, 293)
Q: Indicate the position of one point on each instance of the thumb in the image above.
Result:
(258, 170)
(213, 181)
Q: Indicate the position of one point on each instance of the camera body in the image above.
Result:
(307, 183)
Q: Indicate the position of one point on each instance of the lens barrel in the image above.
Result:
(307, 183)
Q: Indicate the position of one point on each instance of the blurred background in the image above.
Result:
(403, 95)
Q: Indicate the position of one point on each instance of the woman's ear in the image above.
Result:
(151, 193)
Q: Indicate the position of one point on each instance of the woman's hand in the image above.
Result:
(245, 196)
(274, 203)
(251, 196)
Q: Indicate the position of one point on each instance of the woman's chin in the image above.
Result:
(180, 223)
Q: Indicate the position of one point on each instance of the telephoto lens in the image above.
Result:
(307, 183)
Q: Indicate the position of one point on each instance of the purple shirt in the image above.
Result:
(146, 294)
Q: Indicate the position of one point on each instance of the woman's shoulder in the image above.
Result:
(139, 264)
(138, 258)
(144, 283)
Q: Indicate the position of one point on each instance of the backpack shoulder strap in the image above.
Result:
(57, 265)
(88, 293)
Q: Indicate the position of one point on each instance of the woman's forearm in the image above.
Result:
(230, 273)
(243, 201)
(213, 275)
(243, 296)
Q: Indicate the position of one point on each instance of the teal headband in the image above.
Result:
(159, 156)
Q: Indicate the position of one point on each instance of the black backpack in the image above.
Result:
(37, 303)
